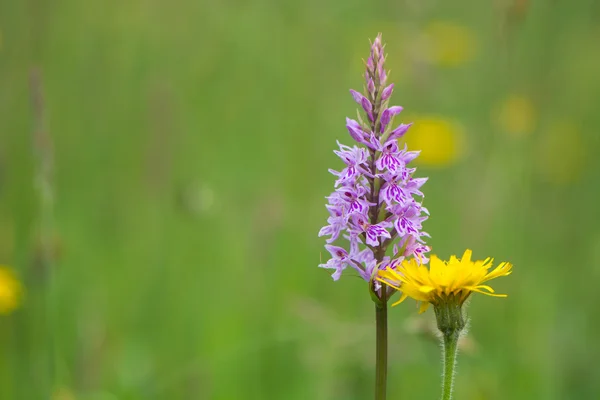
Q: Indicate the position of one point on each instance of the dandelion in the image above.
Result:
(10, 291)
(377, 202)
(455, 279)
(445, 285)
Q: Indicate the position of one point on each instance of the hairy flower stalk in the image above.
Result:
(374, 206)
(445, 285)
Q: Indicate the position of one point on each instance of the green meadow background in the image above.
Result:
(163, 168)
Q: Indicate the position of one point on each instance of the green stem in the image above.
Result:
(381, 347)
(450, 350)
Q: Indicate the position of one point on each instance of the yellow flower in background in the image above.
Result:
(561, 153)
(516, 115)
(442, 282)
(440, 140)
(449, 44)
(10, 291)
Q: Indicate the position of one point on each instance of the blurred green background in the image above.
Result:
(163, 167)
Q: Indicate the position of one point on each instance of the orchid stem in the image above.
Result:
(381, 347)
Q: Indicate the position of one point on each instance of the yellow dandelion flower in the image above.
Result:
(10, 291)
(516, 116)
(449, 44)
(440, 140)
(442, 282)
(446, 285)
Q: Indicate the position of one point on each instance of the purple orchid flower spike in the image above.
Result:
(374, 204)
